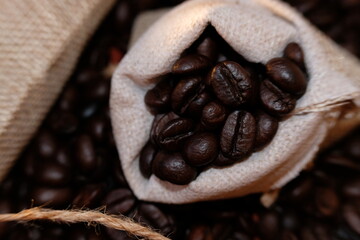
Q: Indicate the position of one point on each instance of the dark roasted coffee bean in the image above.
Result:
(266, 128)
(221, 161)
(46, 144)
(238, 135)
(175, 133)
(208, 47)
(52, 174)
(69, 99)
(213, 115)
(275, 101)
(153, 216)
(173, 168)
(119, 201)
(54, 197)
(200, 232)
(290, 220)
(300, 190)
(124, 15)
(98, 91)
(327, 201)
(159, 123)
(97, 126)
(201, 149)
(147, 156)
(287, 76)
(351, 214)
(63, 122)
(351, 189)
(118, 174)
(85, 153)
(352, 148)
(269, 225)
(185, 92)
(191, 64)
(195, 108)
(158, 98)
(232, 84)
(89, 195)
(87, 76)
(294, 52)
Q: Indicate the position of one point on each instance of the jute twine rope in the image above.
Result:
(78, 216)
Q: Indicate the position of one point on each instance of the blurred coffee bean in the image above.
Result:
(53, 174)
(124, 15)
(46, 144)
(269, 225)
(201, 149)
(173, 168)
(147, 156)
(98, 91)
(89, 195)
(352, 148)
(351, 215)
(221, 161)
(63, 122)
(191, 64)
(97, 127)
(327, 201)
(200, 232)
(351, 188)
(69, 99)
(158, 98)
(85, 153)
(119, 201)
(232, 84)
(52, 197)
(87, 76)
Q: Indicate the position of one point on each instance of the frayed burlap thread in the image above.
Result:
(40, 41)
(80, 216)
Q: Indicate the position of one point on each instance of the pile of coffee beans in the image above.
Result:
(215, 108)
(72, 162)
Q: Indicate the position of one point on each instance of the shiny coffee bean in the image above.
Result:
(232, 84)
(287, 76)
(53, 174)
(195, 108)
(185, 92)
(275, 101)
(191, 64)
(238, 135)
(158, 98)
(85, 153)
(175, 133)
(159, 124)
(327, 201)
(97, 127)
(266, 128)
(201, 149)
(52, 197)
(119, 201)
(89, 195)
(147, 156)
(172, 167)
(294, 52)
(208, 47)
(213, 115)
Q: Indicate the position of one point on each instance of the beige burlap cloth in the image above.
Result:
(40, 41)
(259, 30)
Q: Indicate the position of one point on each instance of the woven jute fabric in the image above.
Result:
(258, 30)
(40, 41)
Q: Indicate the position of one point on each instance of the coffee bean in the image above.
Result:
(352, 148)
(352, 217)
(221, 161)
(55, 197)
(85, 153)
(300, 189)
(46, 144)
(191, 64)
(269, 225)
(287, 235)
(172, 167)
(69, 99)
(294, 52)
(158, 98)
(159, 124)
(87, 76)
(266, 129)
(200, 232)
(351, 189)
(195, 108)
(208, 47)
(97, 127)
(185, 92)
(213, 115)
(175, 132)
(98, 91)
(327, 201)
(201, 149)
(119, 201)
(238, 135)
(53, 174)
(232, 84)
(89, 195)
(63, 122)
(147, 156)
(275, 101)
(287, 76)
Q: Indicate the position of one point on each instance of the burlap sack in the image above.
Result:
(259, 30)
(40, 41)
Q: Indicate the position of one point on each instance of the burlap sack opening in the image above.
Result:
(258, 30)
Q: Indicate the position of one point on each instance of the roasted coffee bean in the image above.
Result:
(200, 232)
(98, 91)
(352, 148)
(287, 235)
(266, 128)
(153, 216)
(352, 217)
(69, 99)
(213, 115)
(87, 76)
(159, 123)
(63, 122)
(172, 167)
(232, 84)
(158, 98)
(351, 189)
(238, 135)
(53, 174)
(97, 127)
(147, 156)
(269, 225)
(275, 101)
(208, 47)
(85, 153)
(89, 195)
(185, 92)
(191, 64)
(287, 76)
(54, 197)
(119, 201)
(294, 52)
(46, 144)
(195, 108)
(327, 201)
(201, 149)
(175, 133)
(221, 161)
